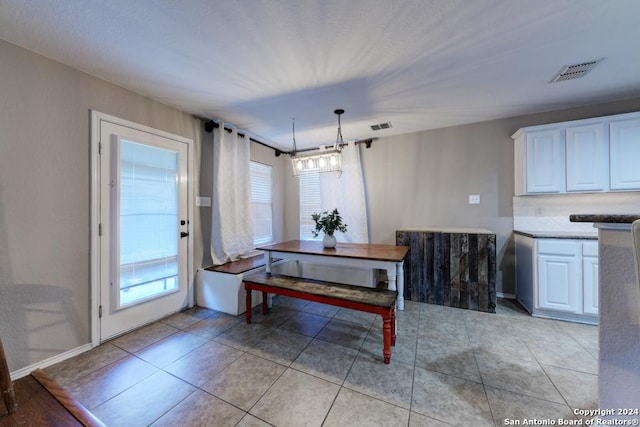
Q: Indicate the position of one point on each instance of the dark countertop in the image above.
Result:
(587, 235)
(612, 219)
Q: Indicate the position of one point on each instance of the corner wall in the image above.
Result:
(45, 197)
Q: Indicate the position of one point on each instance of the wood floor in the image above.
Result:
(42, 402)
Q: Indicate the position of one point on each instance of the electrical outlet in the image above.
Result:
(474, 199)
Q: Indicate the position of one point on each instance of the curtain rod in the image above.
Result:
(210, 125)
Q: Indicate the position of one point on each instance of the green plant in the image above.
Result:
(328, 223)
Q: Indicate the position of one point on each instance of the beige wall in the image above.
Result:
(45, 197)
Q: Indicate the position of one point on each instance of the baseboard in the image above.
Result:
(507, 296)
(50, 361)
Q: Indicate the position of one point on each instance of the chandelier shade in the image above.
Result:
(325, 160)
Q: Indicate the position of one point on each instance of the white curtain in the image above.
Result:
(346, 193)
(231, 214)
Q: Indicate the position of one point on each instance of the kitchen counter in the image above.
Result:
(603, 218)
(619, 312)
(587, 235)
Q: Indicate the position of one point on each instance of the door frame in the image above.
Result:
(95, 226)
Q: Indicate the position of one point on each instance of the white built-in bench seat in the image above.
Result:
(220, 287)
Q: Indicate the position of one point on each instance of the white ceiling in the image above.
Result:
(420, 64)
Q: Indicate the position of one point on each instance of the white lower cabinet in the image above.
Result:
(558, 278)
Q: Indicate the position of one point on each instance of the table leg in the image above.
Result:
(247, 289)
(400, 280)
(267, 262)
(393, 283)
(386, 337)
(267, 269)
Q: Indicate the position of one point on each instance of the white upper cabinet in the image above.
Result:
(625, 154)
(545, 159)
(591, 155)
(587, 158)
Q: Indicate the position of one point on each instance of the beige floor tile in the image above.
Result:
(296, 399)
(214, 326)
(305, 324)
(390, 383)
(145, 402)
(566, 354)
(344, 333)
(170, 349)
(506, 405)
(450, 357)
(201, 409)
(186, 318)
(274, 318)
(321, 309)
(326, 360)
(143, 337)
(450, 399)
(579, 389)
(353, 316)
(281, 346)
(244, 381)
(419, 420)
(522, 363)
(251, 421)
(404, 351)
(77, 367)
(244, 336)
(515, 369)
(352, 408)
(203, 363)
(101, 385)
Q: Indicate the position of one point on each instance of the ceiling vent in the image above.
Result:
(569, 72)
(381, 126)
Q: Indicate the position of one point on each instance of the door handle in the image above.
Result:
(183, 234)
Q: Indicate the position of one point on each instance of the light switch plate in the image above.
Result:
(474, 199)
(203, 201)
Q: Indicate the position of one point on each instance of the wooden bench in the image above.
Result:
(371, 300)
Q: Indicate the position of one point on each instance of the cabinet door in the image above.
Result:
(590, 277)
(559, 283)
(625, 154)
(545, 161)
(587, 157)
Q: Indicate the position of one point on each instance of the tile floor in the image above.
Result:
(312, 364)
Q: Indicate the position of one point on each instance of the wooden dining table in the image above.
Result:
(359, 255)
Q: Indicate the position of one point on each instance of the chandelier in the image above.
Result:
(324, 160)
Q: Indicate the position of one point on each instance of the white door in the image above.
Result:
(144, 222)
(558, 283)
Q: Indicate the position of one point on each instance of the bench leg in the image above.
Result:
(386, 337)
(393, 327)
(265, 305)
(247, 289)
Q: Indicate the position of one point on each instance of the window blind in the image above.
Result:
(261, 200)
(309, 183)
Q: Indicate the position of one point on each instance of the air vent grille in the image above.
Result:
(381, 126)
(570, 72)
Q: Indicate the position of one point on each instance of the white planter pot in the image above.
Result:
(328, 241)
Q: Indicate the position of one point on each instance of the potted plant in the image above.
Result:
(328, 223)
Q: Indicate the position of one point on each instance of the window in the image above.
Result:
(309, 183)
(261, 182)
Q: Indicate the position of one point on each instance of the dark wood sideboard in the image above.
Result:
(453, 267)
